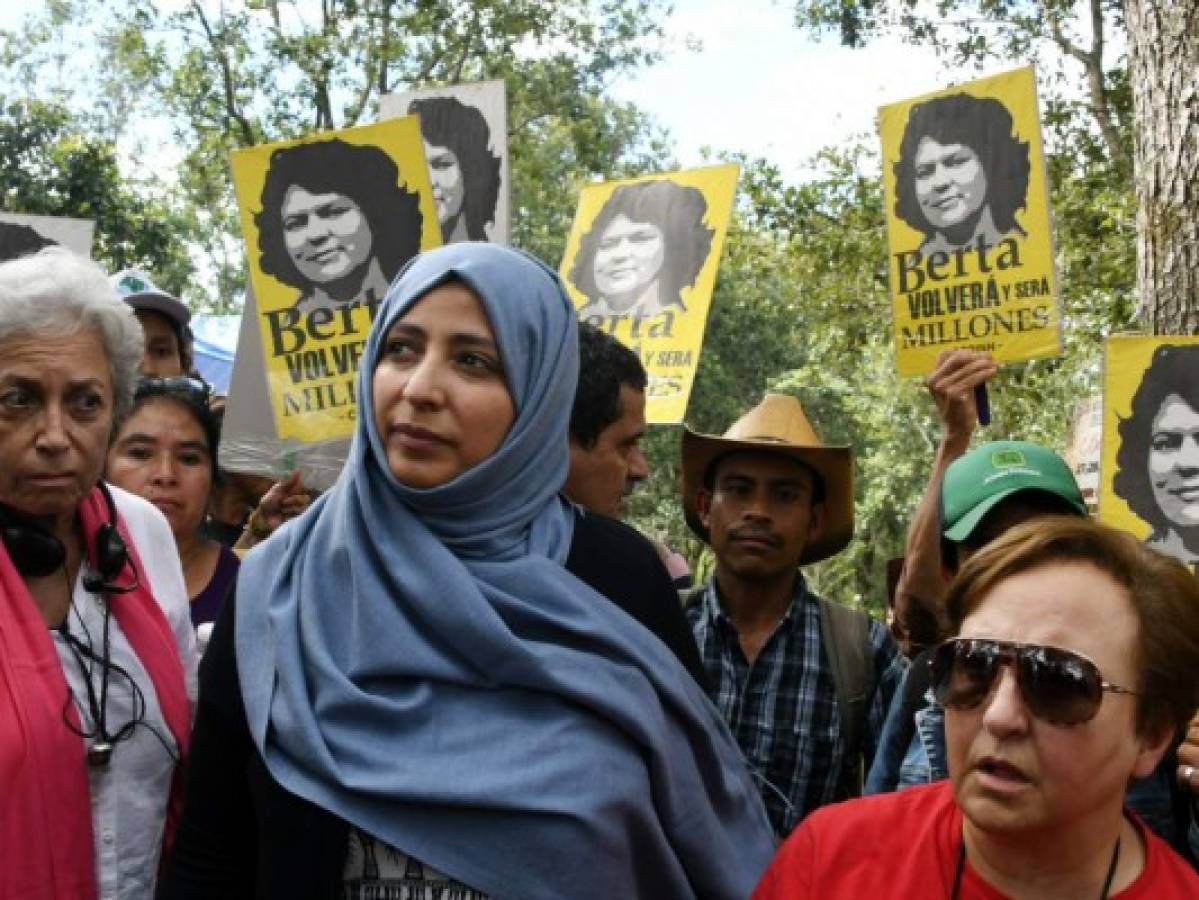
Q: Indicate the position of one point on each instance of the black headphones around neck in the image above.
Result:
(36, 552)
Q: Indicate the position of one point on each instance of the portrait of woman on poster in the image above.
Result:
(1157, 465)
(463, 170)
(962, 174)
(336, 223)
(648, 243)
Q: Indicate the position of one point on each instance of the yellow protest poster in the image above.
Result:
(328, 221)
(1149, 471)
(968, 224)
(641, 263)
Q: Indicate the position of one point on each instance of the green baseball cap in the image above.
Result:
(977, 482)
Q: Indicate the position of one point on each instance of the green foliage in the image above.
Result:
(53, 169)
(800, 304)
(238, 74)
(971, 33)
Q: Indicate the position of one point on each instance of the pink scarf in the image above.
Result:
(46, 842)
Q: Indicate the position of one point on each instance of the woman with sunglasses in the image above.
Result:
(426, 686)
(166, 451)
(1072, 672)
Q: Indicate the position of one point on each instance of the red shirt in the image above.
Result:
(906, 844)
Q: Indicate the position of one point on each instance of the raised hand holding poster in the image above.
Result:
(641, 264)
(971, 248)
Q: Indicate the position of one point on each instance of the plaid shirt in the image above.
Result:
(782, 710)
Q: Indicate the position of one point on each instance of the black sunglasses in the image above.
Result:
(1057, 686)
(177, 385)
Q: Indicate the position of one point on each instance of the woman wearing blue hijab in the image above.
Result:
(414, 693)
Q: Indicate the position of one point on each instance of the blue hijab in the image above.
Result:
(420, 663)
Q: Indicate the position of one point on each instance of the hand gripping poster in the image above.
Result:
(968, 224)
(465, 131)
(328, 222)
(641, 264)
(1149, 474)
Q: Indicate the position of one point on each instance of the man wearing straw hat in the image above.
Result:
(803, 683)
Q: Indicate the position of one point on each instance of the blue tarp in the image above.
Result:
(215, 345)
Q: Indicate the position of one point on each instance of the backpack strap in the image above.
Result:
(845, 634)
(915, 688)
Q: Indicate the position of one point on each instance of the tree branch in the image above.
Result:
(1092, 63)
(232, 112)
(464, 54)
(384, 47)
(320, 77)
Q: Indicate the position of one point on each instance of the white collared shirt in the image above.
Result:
(129, 795)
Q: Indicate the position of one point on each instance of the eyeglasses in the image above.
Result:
(1056, 685)
(185, 386)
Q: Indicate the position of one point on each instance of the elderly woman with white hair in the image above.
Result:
(96, 650)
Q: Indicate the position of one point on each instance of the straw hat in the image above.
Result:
(777, 425)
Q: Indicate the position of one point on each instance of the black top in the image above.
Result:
(206, 605)
(618, 562)
(242, 835)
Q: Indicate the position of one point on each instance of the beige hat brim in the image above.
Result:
(834, 465)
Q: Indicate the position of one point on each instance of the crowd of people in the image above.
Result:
(458, 673)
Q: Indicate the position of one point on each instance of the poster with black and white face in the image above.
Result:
(465, 130)
(21, 235)
(328, 220)
(1149, 474)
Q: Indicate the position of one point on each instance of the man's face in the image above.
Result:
(1007, 514)
(760, 514)
(162, 356)
(602, 476)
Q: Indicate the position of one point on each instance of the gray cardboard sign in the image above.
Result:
(21, 234)
(465, 127)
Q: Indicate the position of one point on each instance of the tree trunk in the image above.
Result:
(1164, 40)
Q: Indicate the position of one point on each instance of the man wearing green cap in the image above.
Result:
(973, 498)
(991, 489)
(984, 493)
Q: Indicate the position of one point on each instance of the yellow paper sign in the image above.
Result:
(1149, 473)
(328, 221)
(971, 261)
(641, 264)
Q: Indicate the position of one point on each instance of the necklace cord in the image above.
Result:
(961, 868)
(86, 658)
